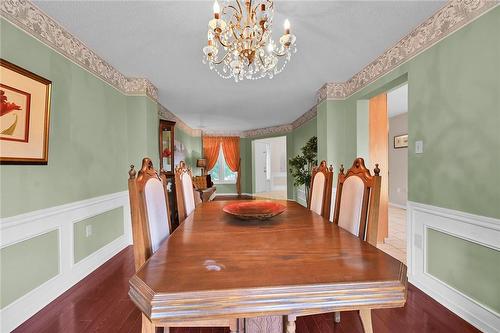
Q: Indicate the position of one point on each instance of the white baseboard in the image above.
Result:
(474, 228)
(230, 194)
(25, 226)
(391, 204)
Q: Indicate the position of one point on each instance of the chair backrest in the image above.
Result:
(320, 190)
(357, 201)
(149, 209)
(184, 191)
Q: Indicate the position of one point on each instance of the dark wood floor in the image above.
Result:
(100, 303)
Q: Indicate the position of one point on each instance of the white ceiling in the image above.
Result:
(397, 101)
(162, 41)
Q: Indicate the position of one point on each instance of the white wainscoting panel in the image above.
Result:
(21, 227)
(474, 228)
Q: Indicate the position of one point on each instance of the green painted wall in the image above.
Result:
(453, 106)
(106, 227)
(362, 130)
(192, 148)
(468, 267)
(18, 278)
(337, 132)
(96, 132)
(91, 132)
(142, 130)
(87, 133)
(246, 165)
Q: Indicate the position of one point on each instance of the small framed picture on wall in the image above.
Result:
(24, 116)
(401, 141)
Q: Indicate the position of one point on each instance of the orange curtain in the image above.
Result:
(231, 150)
(211, 146)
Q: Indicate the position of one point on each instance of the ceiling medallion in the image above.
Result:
(241, 46)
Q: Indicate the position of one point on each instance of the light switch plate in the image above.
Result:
(419, 147)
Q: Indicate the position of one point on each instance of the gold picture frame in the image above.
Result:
(401, 141)
(24, 115)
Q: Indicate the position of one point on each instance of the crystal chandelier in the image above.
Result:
(241, 47)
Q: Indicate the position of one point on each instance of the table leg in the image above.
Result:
(290, 323)
(366, 320)
(233, 326)
(147, 325)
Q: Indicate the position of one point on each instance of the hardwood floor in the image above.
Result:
(100, 303)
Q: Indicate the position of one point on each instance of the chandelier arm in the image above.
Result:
(236, 12)
(220, 41)
(234, 33)
(279, 54)
(261, 61)
(223, 58)
(239, 6)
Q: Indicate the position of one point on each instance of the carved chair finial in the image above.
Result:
(341, 169)
(330, 168)
(132, 172)
(376, 170)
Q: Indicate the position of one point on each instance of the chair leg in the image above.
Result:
(290, 324)
(336, 317)
(366, 320)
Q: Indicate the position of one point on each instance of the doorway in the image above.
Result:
(269, 168)
(388, 117)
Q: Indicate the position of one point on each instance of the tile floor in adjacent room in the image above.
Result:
(395, 243)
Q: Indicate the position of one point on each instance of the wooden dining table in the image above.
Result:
(265, 273)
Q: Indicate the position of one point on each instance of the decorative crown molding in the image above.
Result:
(454, 15)
(305, 117)
(165, 114)
(31, 19)
(267, 131)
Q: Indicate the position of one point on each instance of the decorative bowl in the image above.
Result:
(254, 210)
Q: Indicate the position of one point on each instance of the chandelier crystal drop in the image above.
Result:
(241, 45)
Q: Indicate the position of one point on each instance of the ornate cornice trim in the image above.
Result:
(267, 131)
(165, 114)
(454, 15)
(305, 117)
(28, 17)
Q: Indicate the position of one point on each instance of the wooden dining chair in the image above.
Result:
(151, 226)
(320, 192)
(357, 208)
(149, 209)
(357, 201)
(186, 199)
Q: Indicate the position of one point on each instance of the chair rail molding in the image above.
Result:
(481, 230)
(62, 218)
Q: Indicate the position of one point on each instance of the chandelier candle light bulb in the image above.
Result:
(242, 32)
(216, 10)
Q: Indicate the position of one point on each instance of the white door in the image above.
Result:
(261, 161)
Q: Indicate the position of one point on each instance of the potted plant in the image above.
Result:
(301, 165)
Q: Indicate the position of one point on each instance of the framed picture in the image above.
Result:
(24, 116)
(401, 141)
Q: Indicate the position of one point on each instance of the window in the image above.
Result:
(221, 174)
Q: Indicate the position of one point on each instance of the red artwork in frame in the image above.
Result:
(24, 115)
(15, 113)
